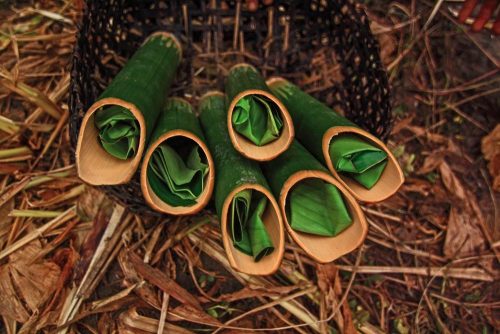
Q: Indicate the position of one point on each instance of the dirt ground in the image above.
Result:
(74, 261)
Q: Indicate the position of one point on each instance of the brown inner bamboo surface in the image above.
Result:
(390, 180)
(274, 225)
(157, 203)
(326, 249)
(270, 150)
(96, 166)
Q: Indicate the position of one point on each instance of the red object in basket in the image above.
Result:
(486, 12)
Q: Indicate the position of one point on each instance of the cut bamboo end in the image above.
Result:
(391, 179)
(241, 65)
(275, 81)
(274, 225)
(156, 202)
(271, 150)
(97, 167)
(211, 93)
(167, 35)
(326, 249)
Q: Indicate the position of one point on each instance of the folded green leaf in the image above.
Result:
(176, 181)
(245, 225)
(144, 82)
(118, 131)
(317, 207)
(358, 159)
(248, 231)
(258, 119)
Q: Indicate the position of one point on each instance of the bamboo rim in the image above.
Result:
(274, 80)
(391, 179)
(241, 65)
(94, 165)
(326, 249)
(274, 224)
(270, 150)
(156, 202)
(167, 35)
(211, 93)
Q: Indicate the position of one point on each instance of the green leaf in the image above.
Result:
(317, 207)
(118, 131)
(358, 159)
(175, 181)
(248, 231)
(257, 118)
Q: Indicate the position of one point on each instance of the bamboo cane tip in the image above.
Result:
(211, 93)
(180, 100)
(168, 35)
(275, 80)
(234, 67)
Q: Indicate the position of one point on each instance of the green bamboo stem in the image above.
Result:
(234, 175)
(137, 93)
(259, 125)
(297, 168)
(317, 127)
(177, 128)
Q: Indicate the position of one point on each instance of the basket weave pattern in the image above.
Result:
(324, 46)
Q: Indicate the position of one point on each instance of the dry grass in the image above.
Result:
(71, 261)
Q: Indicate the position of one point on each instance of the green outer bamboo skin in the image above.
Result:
(146, 78)
(293, 160)
(311, 118)
(231, 169)
(244, 77)
(177, 114)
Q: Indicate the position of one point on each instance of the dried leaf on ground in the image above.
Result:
(23, 292)
(490, 146)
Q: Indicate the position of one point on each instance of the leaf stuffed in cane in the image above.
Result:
(116, 128)
(360, 161)
(322, 217)
(177, 174)
(251, 223)
(259, 125)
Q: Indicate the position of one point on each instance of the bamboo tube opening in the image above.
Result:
(389, 182)
(96, 166)
(326, 249)
(274, 225)
(154, 201)
(268, 151)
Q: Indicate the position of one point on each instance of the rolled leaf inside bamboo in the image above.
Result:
(360, 161)
(116, 128)
(322, 217)
(259, 125)
(177, 173)
(251, 223)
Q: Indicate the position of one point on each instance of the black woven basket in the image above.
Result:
(325, 46)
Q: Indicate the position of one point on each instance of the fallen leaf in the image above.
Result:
(385, 38)
(145, 290)
(22, 290)
(329, 284)
(131, 322)
(451, 182)
(257, 291)
(464, 236)
(490, 146)
(162, 281)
